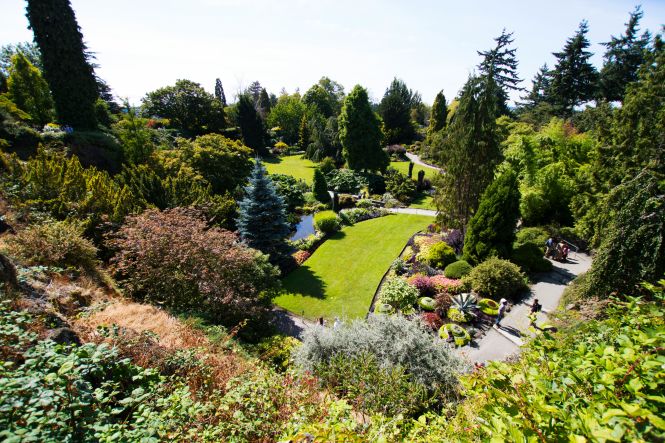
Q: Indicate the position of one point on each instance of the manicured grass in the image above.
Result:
(423, 201)
(403, 167)
(341, 276)
(293, 165)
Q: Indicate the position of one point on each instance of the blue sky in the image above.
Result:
(145, 44)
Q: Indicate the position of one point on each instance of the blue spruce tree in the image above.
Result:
(262, 216)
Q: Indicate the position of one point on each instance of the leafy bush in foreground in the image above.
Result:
(52, 392)
(496, 278)
(173, 258)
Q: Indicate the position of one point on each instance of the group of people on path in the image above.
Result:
(556, 250)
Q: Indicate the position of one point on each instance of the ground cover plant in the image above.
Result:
(340, 278)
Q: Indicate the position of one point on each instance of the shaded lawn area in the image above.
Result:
(340, 278)
(423, 201)
(293, 165)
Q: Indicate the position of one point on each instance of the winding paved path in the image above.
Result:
(416, 160)
(548, 289)
(412, 211)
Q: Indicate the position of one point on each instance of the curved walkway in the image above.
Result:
(417, 161)
(548, 289)
(413, 211)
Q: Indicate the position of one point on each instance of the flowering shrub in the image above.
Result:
(424, 284)
(173, 258)
(439, 255)
(432, 320)
(301, 256)
(398, 293)
(447, 285)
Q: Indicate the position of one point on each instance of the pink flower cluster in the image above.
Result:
(445, 284)
(301, 256)
(423, 283)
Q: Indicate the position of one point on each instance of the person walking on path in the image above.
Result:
(533, 312)
(503, 304)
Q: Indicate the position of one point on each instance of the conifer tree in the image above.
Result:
(251, 125)
(320, 187)
(263, 105)
(540, 87)
(438, 117)
(66, 69)
(29, 91)
(395, 110)
(624, 55)
(360, 133)
(500, 63)
(491, 230)
(469, 150)
(262, 215)
(574, 78)
(219, 92)
(303, 133)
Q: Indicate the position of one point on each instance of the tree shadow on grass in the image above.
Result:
(304, 282)
(420, 199)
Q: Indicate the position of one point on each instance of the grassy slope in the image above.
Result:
(293, 165)
(341, 276)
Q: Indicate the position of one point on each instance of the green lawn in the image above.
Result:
(423, 201)
(403, 167)
(341, 276)
(293, 165)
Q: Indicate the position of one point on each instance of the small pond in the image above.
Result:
(304, 228)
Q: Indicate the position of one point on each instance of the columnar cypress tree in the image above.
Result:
(263, 105)
(491, 230)
(66, 68)
(469, 150)
(360, 133)
(262, 215)
(28, 90)
(320, 187)
(574, 78)
(219, 92)
(303, 133)
(439, 115)
(251, 125)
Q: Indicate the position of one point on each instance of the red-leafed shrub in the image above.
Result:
(301, 256)
(432, 320)
(424, 285)
(173, 259)
(443, 302)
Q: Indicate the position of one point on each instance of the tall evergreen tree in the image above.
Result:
(624, 55)
(320, 187)
(500, 63)
(263, 105)
(574, 78)
(395, 109)
(251, 125)
(254, 91)
(491, 230)
(469, 151)
(66, 68)
(29, 91)
(439, 115)
(303, 133)
(219, 92)
(262, 215)
(360, 133)
(540, 87)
